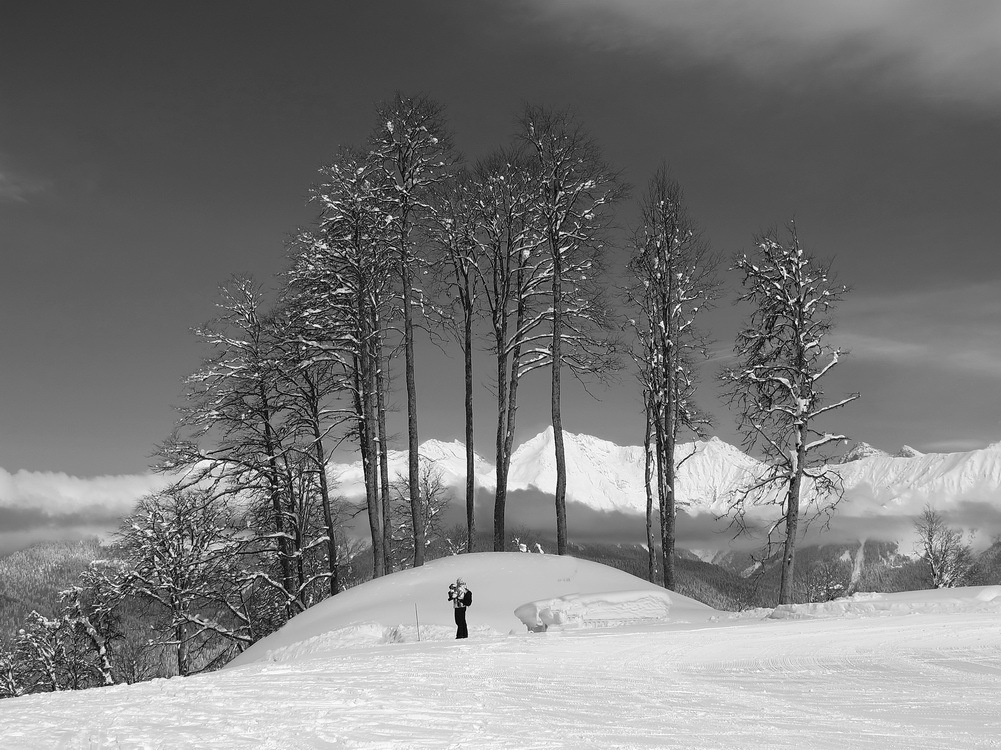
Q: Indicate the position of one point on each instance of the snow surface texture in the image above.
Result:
(886, 672)
(608, 609)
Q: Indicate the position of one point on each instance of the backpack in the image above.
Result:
(468, 598)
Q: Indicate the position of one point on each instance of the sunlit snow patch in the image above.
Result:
(365, 635)
(599, 610)
(931, 601)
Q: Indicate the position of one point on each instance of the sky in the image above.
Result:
(150, 151)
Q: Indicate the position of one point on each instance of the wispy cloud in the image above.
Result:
(953, 328)
(16, 188)
(946, 51)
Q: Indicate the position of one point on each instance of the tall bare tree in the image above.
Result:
(412, 146)
(515, 272)
(454, 230)
(576, 190)
(776, 385)
(231, 434)
(341, 276)
(674, 278)
(310, 380)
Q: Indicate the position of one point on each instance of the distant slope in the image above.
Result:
(610, 478)
(32, 579)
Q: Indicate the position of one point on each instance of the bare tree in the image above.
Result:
(576, 191)
(435, 498)
(182, 548)
(413, 148)
(827, 580)
(310, 380)
(514, 273)
(674, 278)
(231, 435)
(454, 230)
(775, 386)
(947, 557)
(340, 282)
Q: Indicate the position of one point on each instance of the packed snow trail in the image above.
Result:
(879, 681)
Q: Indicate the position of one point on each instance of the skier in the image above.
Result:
(461, 597)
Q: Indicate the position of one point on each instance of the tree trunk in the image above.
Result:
(670, 440)
(648, 480)
(557, 366)
(381, 389)
(328, 516)
(270, 449)
(503, 459)
(366, 446)
(792, 523)
(182, 649)
(470, 462)
(669, 523)
(414, 456)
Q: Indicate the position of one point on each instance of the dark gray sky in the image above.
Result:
(150, 150)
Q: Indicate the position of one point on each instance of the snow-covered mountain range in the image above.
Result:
(608, 477)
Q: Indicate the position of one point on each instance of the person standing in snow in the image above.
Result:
(461, 597)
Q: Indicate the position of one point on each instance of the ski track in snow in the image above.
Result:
(882, 681)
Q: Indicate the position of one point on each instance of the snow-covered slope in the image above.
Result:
(606, 476)
(609, 477)
(894, 483)
(600, 474)
(448, 458)
(863, 672)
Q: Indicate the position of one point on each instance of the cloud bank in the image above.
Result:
(41, 506)
(923, 48)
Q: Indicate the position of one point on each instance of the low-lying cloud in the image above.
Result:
(40, 506)
(922, 48)
(858, 518)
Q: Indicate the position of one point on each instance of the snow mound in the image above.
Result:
(967, 599)
(390, 609)
(596, 610)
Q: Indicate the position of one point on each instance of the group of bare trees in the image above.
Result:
(774, 383)
(673, 278)
(507, 254)
(179, 591)
(504, 254)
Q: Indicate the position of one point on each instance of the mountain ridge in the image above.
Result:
(608, 477)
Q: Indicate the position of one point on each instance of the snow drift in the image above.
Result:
(411, 605)
(606, 609)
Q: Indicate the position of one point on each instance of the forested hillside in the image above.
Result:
(32, 578)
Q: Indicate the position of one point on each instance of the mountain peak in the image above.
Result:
(907, 451)
(861, 450)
